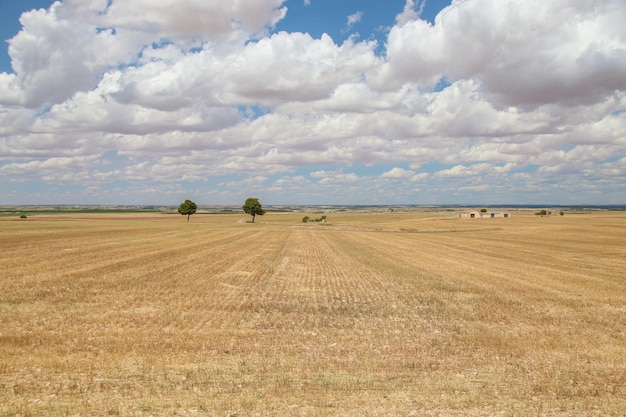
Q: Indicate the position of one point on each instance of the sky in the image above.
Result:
(472, 102)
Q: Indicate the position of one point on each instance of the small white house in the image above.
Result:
(473, 214)
(494, 214)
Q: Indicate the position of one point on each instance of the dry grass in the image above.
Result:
(417, 314)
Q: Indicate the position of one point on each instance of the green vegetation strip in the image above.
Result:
(12, 212)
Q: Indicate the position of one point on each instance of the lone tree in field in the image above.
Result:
(187, 208)
(253, 207)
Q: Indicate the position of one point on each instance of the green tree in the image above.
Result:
(253, 207)
(187, 208)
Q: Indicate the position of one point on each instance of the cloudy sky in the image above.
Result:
(313, 101)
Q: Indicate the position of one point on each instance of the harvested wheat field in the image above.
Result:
(399, 314)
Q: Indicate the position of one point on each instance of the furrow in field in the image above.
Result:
(206, 282)
(498, 294)
(235, 285)
(81, 260)
(317, 284)
(497, 261)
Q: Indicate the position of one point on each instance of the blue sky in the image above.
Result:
(313, 102)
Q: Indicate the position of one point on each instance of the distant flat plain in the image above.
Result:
(369, 314)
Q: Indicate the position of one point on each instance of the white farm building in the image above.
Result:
(473, 214)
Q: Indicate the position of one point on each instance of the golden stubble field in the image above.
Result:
(399, 314)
